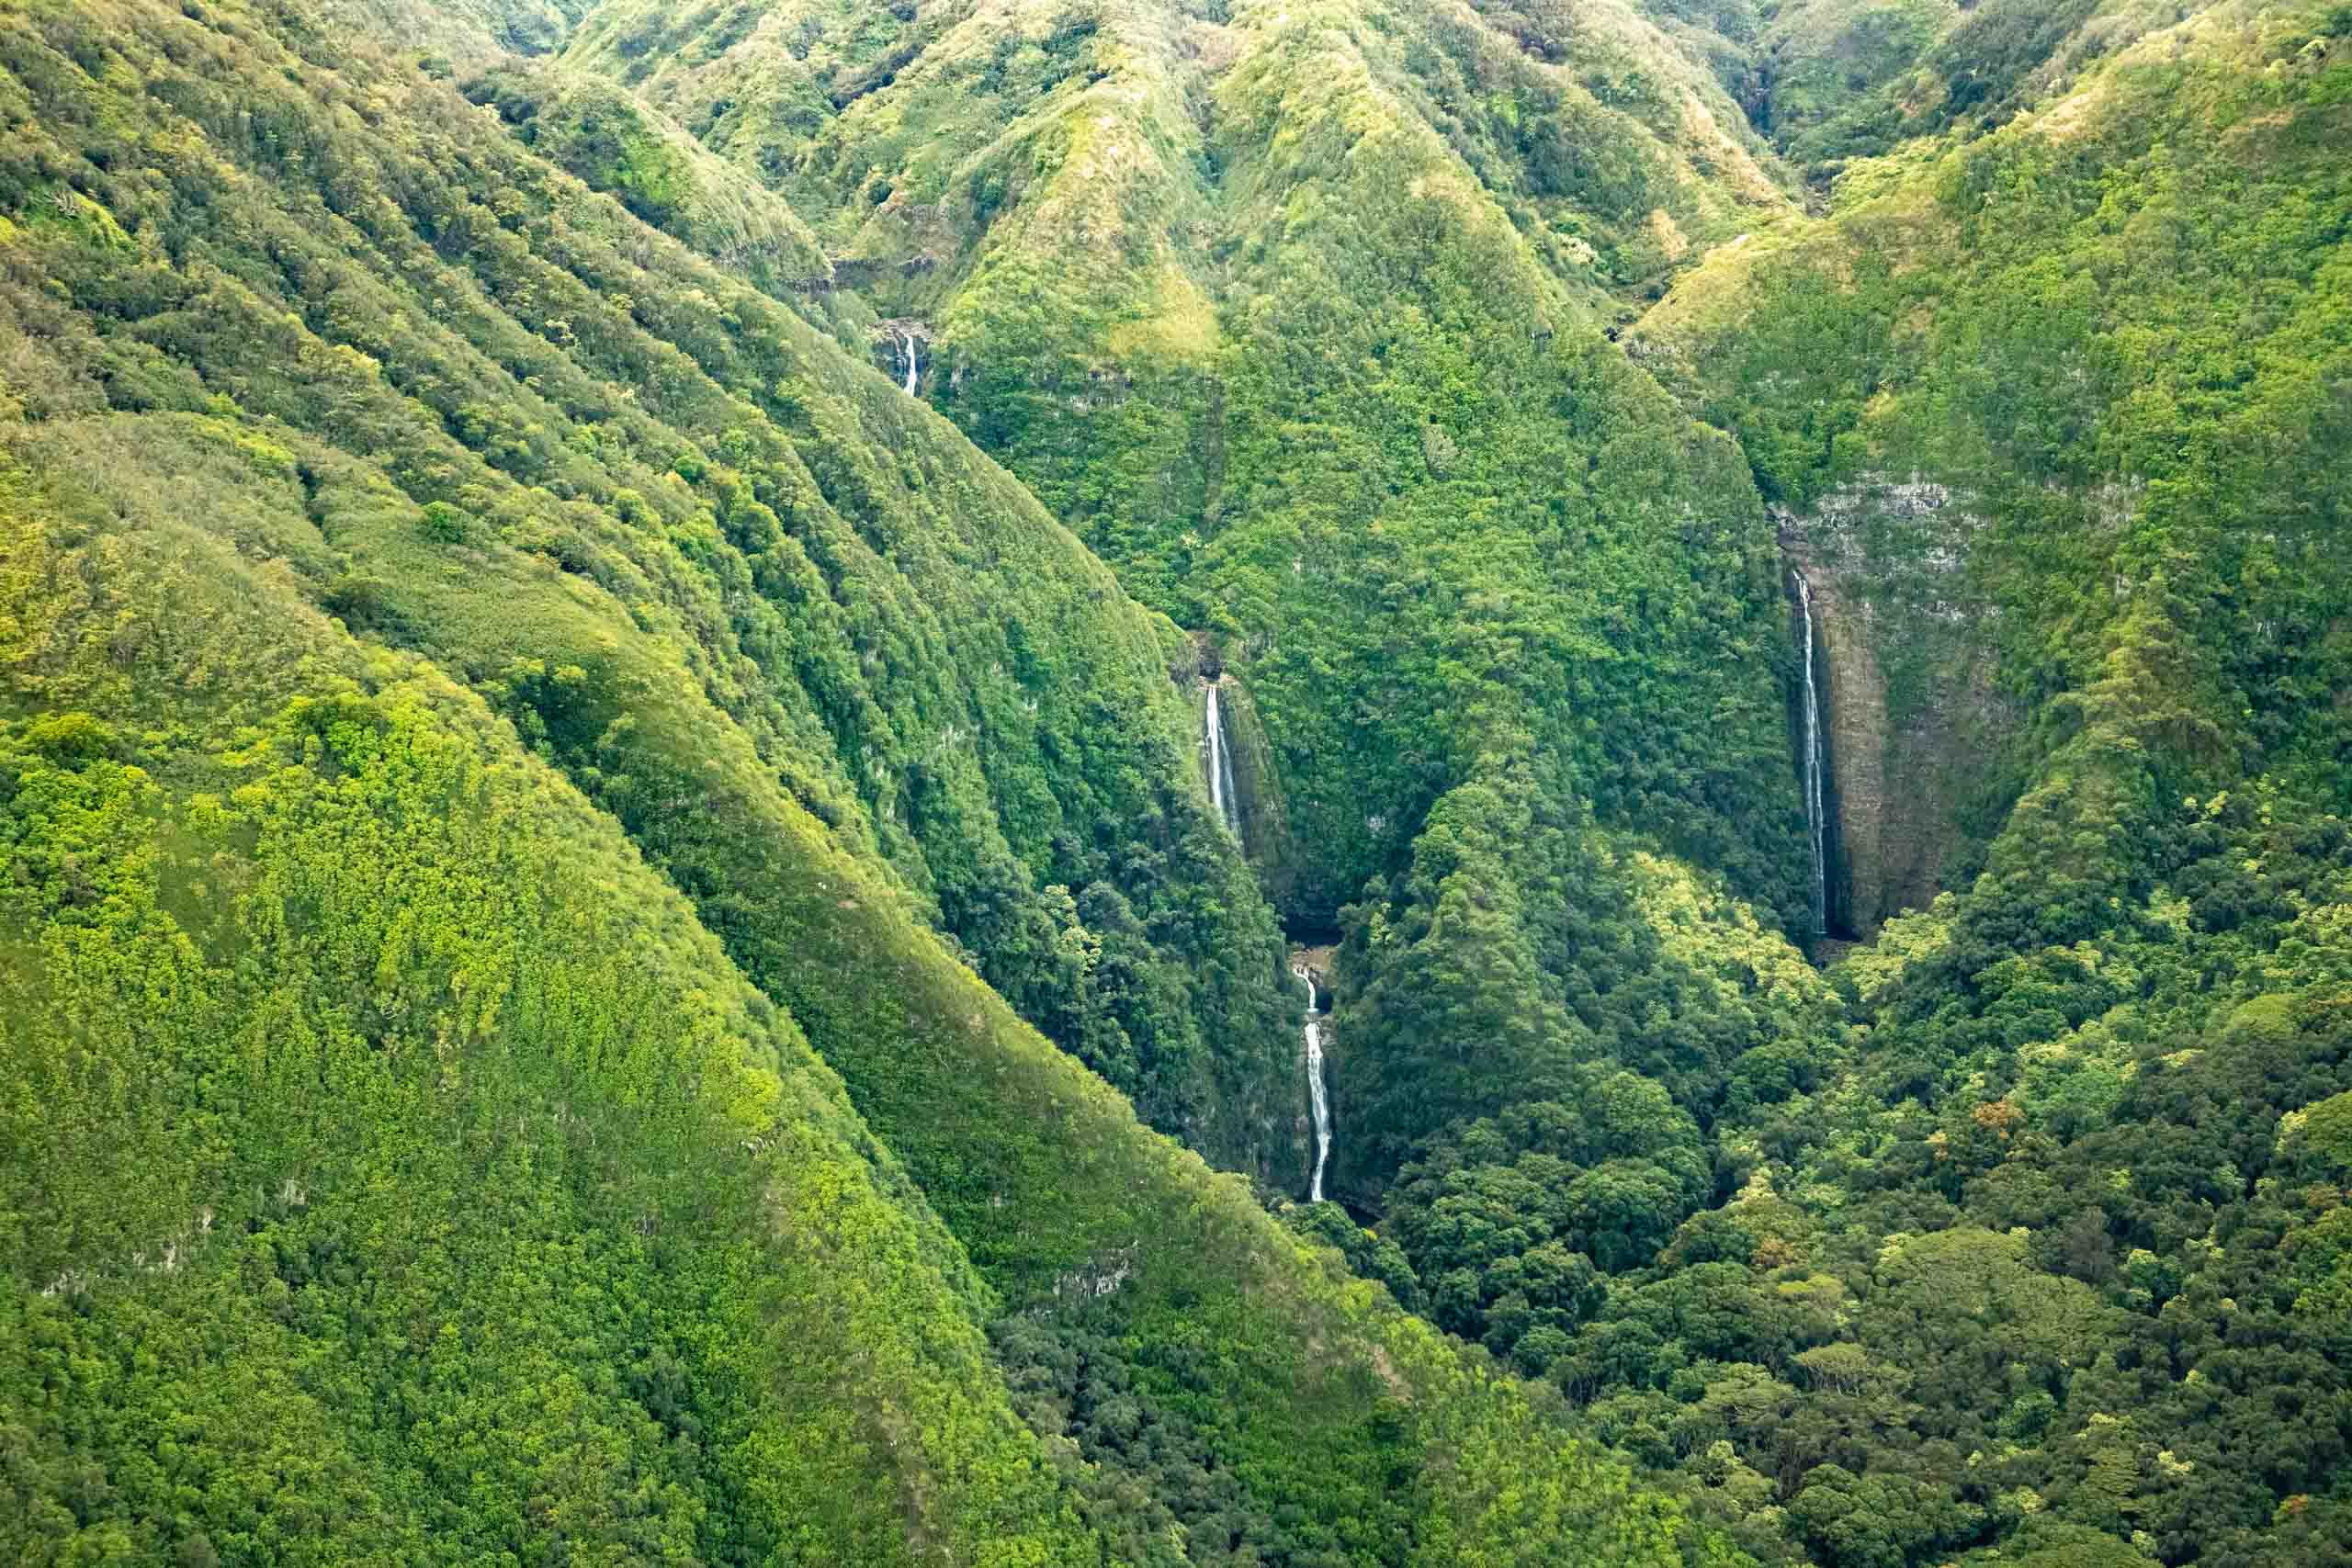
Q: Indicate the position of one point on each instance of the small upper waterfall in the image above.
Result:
(1221, 791)
(908, 338)
(1314, 1091)
(1816, 811)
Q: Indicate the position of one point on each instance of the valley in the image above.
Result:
(1233, 783)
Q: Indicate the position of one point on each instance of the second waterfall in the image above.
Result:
(1315, 1094)
(1816, 804)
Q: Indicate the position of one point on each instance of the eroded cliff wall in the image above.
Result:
(1915, 724)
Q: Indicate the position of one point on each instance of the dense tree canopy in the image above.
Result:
(613, 941)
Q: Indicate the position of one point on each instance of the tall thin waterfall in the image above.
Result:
(1315, 1091)
(909, 339)
(1816, 811)
(1221, 791)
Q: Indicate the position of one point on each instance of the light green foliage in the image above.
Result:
(599, 132)
(2326, 1128)
(358, 1064)
(2073, 327)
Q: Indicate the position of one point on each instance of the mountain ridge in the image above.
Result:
(619, 945)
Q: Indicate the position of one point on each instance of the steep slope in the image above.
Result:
(2041, 1261)
(1830, 81)
(2050, 393)
(2027, 1237)
(394, 1167)
(935, 670)
(414, 563)
(599, 132)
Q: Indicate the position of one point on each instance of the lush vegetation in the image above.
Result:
(612, 944)
(1291, 311)
(394, 1169)
(491, 701)
(656, 506)
(2014, 1239)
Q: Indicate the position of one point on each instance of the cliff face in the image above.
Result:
(1259, 802)
(1914, 722)
(1258, 794)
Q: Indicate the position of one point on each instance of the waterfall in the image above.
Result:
(1315, 1091)
(1816, 813)
(1221, 791)
(908, 337)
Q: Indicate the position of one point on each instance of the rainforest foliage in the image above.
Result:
(654, 504)
(491, 700)
(2016, 1240)
(1289, 310)
(611, 941)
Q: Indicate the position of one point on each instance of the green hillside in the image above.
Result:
(661, 482)
(1293, 312)
(395, 1169)
(415, 564)
(678, 686)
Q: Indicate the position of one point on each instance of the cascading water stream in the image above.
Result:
(1314, 1091)
(1816, 814)
(1221, 791)
(909, 339)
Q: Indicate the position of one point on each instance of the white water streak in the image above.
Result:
(1314, 1091)
(1816, 814)
(1221, 791)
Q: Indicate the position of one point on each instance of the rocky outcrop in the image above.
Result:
(1914, 723)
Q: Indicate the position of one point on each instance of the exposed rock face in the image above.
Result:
(1265, 820)
(1914, 722)
(1257, 791)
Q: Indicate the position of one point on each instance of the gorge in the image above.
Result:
(1212, 783)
